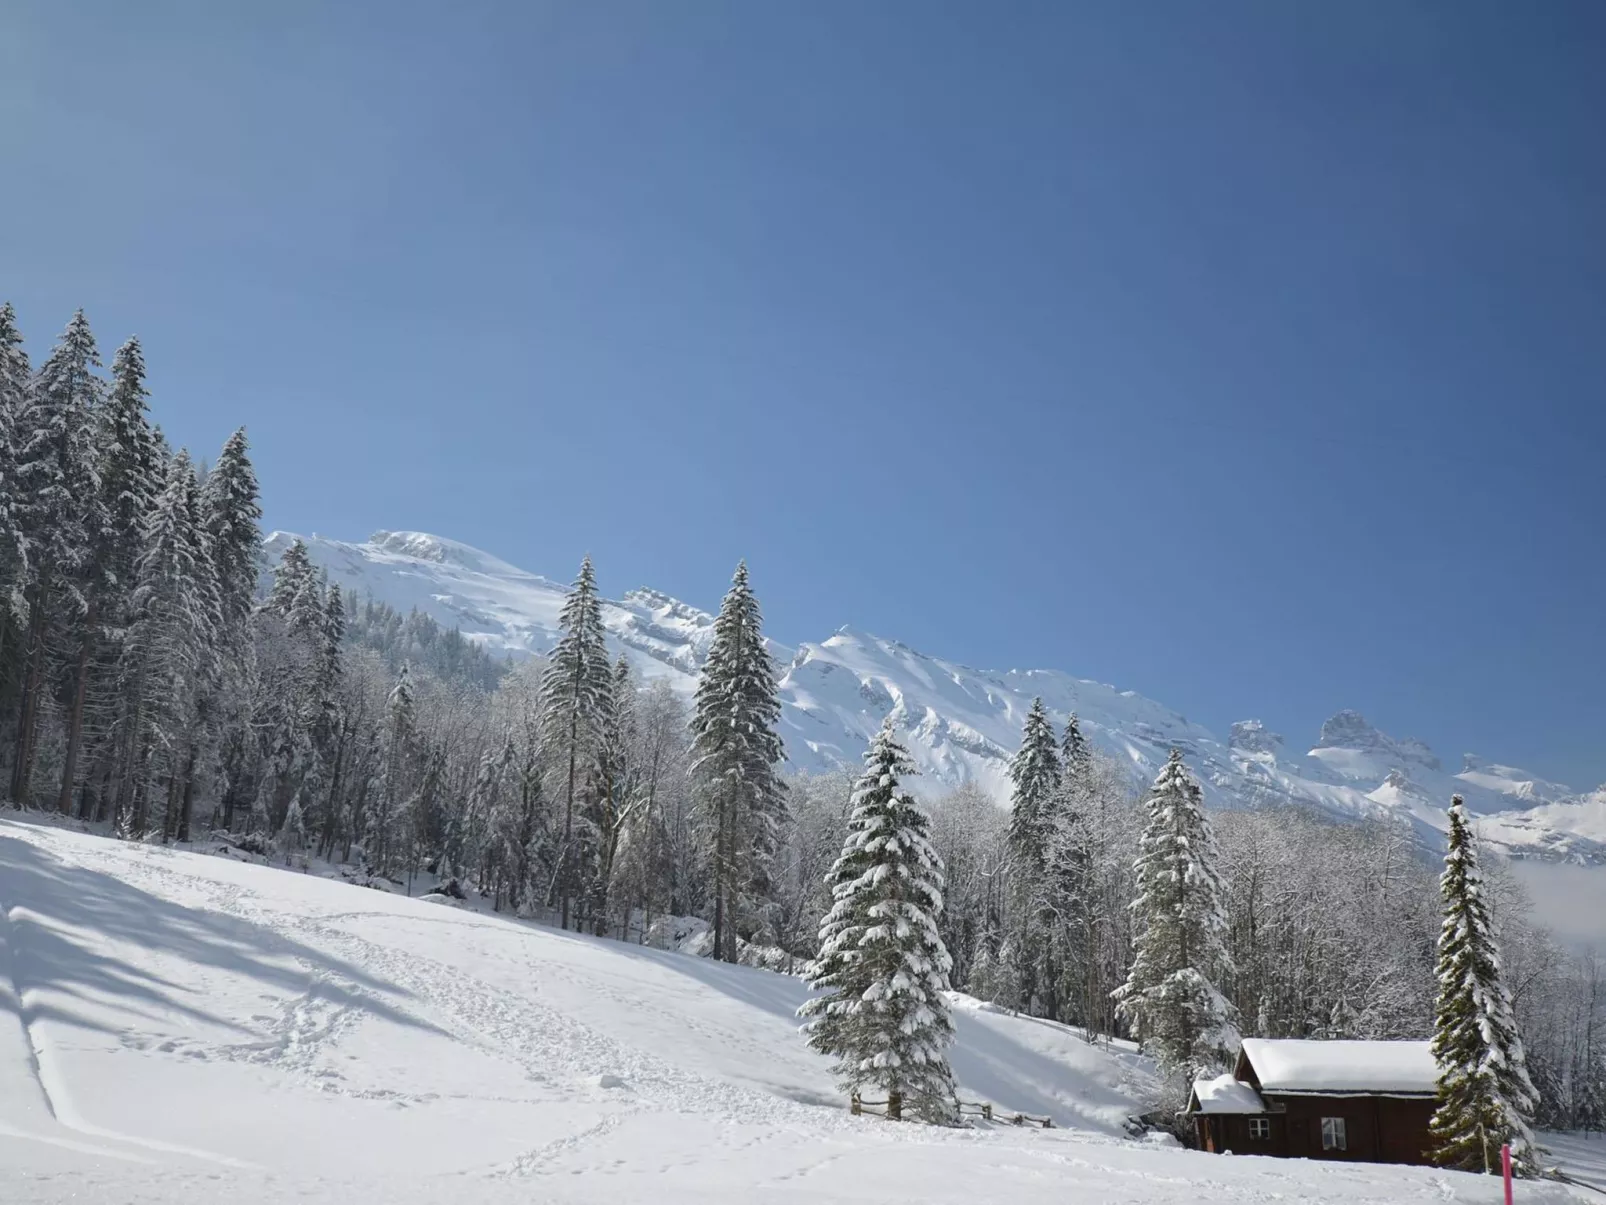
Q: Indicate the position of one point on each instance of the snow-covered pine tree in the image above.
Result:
(285, 671)
(201, 696)
(882, 965)
(736, 754)
(166, 654)
(576, 695)
(381, 841)
(1035, 773)
(1061, 922)
(1485, 1096)
(59, 494)
(128, 482)
(15, 397)
(465, 835)
(230, 512)
(231, 508)
(1170, 999)
(304, 623)
(515, 829)
(330, 673)
(291, 578)
(1076, 755)
(609, 791)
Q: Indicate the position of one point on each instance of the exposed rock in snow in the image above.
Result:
(1251, 736)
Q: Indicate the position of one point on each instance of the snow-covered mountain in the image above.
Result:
(964, 723)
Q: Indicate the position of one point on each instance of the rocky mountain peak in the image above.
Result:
(1348, 730)
(1252, 736)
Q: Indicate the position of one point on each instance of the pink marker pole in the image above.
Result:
(1505, 1168)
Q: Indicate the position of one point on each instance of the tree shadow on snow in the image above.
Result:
(54, 950)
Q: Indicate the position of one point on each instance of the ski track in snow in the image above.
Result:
(14, 998)
(55, 1095)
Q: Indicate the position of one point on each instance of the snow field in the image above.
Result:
(182, 1028)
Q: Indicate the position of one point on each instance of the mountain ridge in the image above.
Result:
(963, 723)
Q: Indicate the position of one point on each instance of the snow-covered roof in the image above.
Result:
(1292, 1065)
(1226, 1095)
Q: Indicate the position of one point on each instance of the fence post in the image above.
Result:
(987, 1112)
(894, 1106)
(853, 1104)
(1020, 1119)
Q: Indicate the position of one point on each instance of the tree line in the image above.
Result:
(150, 684)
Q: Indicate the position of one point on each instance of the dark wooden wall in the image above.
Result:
(1378, 1129)
(1230, 1132)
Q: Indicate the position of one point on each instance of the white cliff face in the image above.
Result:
(962, 723)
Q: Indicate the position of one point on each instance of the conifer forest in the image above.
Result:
(160, 681)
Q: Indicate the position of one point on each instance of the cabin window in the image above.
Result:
(1333, 1137)
(1260, 1128)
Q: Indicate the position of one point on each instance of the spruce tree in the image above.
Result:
(380, 840)
(129, 475)
(576, 695)
(736, 753)
(331, 671)
(232, 509)
(128, 482)
(1067, 940)
(168, 653)
(1035, 772)
(1076, 755)
(205, 612)
(290, 623)
(15, 398)
(1485, 1096)
(59, 495)
(882, 965)
(610, 789)
(1170, 999)
(293, 577)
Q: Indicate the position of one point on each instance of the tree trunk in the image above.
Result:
(75, 720)
(229, 792)
(32, 685)
(568, 816)
(332, 820)
(187, 803)
(719, 886)
(171, 808)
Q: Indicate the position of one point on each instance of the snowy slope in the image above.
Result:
(186, 1029)
(964, 723)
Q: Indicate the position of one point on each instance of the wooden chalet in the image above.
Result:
(1364, 1101)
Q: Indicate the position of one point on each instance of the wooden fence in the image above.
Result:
(893, 1111)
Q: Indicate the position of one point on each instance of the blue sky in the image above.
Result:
(1251, 356)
